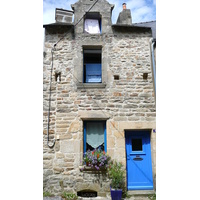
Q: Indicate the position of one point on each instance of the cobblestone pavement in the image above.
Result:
(98, 198)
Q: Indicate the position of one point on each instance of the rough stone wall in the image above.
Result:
(125, 104)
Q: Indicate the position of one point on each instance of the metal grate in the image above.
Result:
(87, 194)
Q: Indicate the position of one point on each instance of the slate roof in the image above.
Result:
(132, 26)
(151, 24)
(58, 24)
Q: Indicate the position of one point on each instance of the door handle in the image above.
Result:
(137, 158)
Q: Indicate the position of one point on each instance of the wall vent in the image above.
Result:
(87, 193)
(145, 76)
(116, 77)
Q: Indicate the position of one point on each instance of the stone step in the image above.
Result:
(140, 194)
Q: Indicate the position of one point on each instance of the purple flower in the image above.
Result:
(82, 169)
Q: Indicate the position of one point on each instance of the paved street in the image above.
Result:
(98, 198)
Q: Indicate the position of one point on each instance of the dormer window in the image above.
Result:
(92, 23)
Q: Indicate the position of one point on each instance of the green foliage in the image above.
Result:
(47, 194)
(125, 194)
(152, 197)
(116, 174)
(69, 196)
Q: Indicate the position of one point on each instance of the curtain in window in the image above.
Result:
(93, 73)
(92, 26)
(95, 134)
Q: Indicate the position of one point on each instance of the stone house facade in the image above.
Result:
(116, 97)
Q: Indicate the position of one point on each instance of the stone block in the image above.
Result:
(120, 143)
(118, 134)
(110, 152)
(69, 159)
(120, 118)
(120, 153)
(67, 147)
(61, 130)
(47, 172)
(62, 125)
(74, 127)
(111, 142)
(136, 125)
(60, 155)
(47, 164)
(48, 156)
(93, 115)
(65, 136)
(58, 170)
(51, 131)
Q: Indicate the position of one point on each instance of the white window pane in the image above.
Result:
(92, 26)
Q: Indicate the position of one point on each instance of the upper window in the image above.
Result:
(94, 135)
(92, 23)
(92, 68)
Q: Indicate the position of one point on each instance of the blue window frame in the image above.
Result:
(92, 67)
(94, 135)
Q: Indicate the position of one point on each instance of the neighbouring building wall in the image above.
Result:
(125, 104)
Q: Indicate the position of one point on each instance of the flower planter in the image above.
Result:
(116, 194)
(97, 159)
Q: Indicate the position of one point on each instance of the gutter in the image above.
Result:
(152, 43)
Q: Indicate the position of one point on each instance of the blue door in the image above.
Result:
(138, 156)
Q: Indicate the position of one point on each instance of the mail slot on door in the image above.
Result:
(138, 158)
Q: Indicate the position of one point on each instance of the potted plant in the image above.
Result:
(116, 174)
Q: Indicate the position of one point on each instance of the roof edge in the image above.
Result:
(58, 24)
(129, 26)
(144, 22)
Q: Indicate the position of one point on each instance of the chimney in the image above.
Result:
(64, 16)
(124, 6)
(124, 16)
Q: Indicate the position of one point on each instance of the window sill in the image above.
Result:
(90, 85)
(91, 169)
(86, 33)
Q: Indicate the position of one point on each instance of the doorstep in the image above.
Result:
(140, 192)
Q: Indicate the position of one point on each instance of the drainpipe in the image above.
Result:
(152, 42)
(50, 146)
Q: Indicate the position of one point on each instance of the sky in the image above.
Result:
(141, 10)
